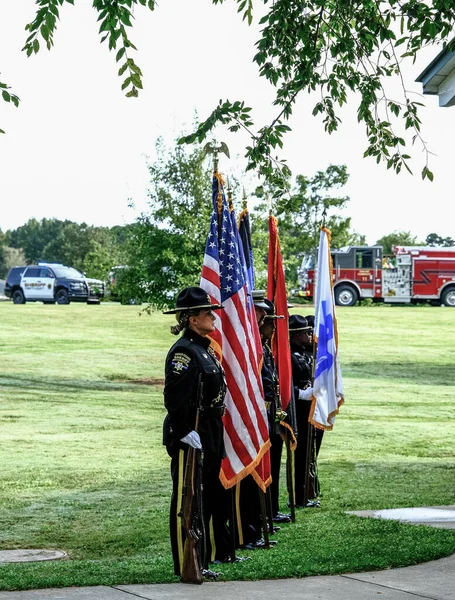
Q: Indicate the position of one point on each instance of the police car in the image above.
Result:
(50, 283)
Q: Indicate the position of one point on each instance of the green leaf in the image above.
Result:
(136, 81)
(125, 17)
(50, 21)
(133, 93)
(119, 55)
(426, 173)
(429, 174)
(122, 69)
(45, 32)
(126, 83)
(6, 96)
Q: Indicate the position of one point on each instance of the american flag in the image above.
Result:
(245, 236)
(246, 432)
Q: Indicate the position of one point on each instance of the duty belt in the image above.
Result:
(212, 411)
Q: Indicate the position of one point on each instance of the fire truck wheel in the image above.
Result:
(448, 297)
(345, 295)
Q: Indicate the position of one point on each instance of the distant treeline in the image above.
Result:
(163, 249)
(87, 248)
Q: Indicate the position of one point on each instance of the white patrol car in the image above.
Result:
(50, 283)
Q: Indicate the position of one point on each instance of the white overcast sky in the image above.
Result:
(75, 149)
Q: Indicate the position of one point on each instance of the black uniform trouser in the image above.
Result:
(214, 505)
(300, 456)
(275, 459)
(250, 512)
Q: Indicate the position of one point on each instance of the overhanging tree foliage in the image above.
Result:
(115, 18)
(345, 50)
(337, 48)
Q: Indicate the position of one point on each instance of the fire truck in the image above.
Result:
(413, 274)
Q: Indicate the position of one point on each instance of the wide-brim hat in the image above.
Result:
(270, 311)
(259, 299)
(310, 319)
(193, 298)
(298, 323)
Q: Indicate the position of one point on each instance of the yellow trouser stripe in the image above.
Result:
(238, 514)
(178, 506)
(212, 540)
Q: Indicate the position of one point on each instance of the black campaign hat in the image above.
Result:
(258, 299)
(191, 298)
(310, 319)
(270, 311)
(298, 323)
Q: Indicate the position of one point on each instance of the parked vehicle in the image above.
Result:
(50, 283)
(413, 274)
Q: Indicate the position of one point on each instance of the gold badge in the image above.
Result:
(180, 362)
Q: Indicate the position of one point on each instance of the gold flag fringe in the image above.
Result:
(250, 469)
(293, 441)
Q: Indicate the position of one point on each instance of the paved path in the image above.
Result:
(431, 581)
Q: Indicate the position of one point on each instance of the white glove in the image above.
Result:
(306, 394)
(193, 440)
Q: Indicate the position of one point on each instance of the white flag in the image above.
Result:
(328, 385)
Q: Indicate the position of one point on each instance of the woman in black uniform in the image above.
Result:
(190, 362)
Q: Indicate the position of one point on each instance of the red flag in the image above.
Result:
(246, 432)
(276, 293)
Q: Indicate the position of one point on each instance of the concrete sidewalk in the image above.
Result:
(433, 580)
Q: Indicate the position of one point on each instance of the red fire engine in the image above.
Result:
(413, 274)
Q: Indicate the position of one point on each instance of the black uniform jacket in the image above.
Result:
(269, 375)
(189, 358)
(302, 362)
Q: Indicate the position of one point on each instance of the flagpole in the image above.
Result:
(311, 455)
(265, 525)
(269, 203)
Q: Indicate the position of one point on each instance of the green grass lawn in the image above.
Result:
(83, 468)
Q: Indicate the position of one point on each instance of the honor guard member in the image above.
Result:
(301, 339)
(190, 361)
(275, 412)
(249, 522)
(318, 433)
